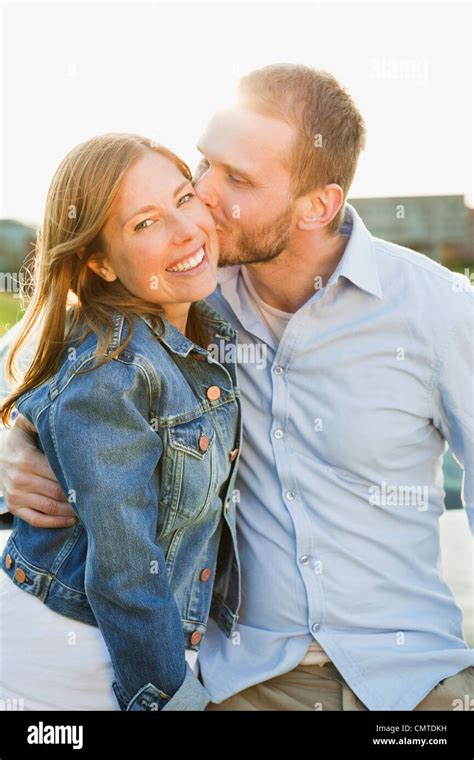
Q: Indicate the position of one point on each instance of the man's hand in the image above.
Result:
(30, 487)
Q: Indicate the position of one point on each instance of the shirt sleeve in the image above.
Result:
(454, 391)
(107, 453)
(23, 361)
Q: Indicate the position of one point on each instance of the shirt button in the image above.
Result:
(278, 370)
(315, 627)
(20, 575)
(205, 574)
(290, 495)
(213, 393)
(203, 443)
(278, 433)
(304, 559)
(196, 637)
(233, 454)
(8, 561)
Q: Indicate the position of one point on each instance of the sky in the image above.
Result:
(71, 70)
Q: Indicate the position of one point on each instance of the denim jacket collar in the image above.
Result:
(172, 337)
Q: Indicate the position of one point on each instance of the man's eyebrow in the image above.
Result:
(151, 207)
(230, 167)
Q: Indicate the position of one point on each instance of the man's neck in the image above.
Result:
(290, 279)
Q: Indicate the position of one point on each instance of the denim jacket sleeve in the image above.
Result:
(107, 453)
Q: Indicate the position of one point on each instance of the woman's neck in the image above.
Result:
(177, 315)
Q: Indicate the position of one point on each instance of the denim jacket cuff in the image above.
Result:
(149, 697)
(191, 695)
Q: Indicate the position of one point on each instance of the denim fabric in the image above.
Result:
(147, 456)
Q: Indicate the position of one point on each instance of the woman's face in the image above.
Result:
(160, 238)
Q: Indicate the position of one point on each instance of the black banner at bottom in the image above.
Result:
(375, 734)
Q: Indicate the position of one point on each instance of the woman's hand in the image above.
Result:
(30, 487)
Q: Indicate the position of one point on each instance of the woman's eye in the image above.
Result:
(144, 223)
(188, 195)
(236, 180)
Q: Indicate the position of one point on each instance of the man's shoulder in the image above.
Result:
(422, 277)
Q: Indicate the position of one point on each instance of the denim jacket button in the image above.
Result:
(205, 574)
(8, 561)
(196, 637)
(20, 575)
(233, 454)
(213, 393)
(204, 443)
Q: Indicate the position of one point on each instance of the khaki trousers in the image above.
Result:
(321, 687)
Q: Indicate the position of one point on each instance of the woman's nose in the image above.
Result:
(185, 228)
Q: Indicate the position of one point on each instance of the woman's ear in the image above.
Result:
(98, 265)
(103, 269)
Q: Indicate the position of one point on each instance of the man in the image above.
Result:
(356, 370)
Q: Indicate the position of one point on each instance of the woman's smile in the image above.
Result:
(191, 264)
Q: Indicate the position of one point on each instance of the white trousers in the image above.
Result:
(51, 662)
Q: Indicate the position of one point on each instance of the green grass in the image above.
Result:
(10, 311)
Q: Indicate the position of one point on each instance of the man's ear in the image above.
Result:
(99, 265)
(318, 209)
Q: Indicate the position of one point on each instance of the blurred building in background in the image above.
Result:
(440, 226)
(16, 244)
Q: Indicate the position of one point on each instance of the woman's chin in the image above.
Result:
(206, 290)
(195, 291)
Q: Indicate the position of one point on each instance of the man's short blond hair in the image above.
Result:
(330, 131)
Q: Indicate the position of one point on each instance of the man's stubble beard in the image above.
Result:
(259, 244)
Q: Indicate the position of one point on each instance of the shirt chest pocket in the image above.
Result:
(188, 472)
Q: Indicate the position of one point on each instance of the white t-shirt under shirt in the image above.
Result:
(276, 321)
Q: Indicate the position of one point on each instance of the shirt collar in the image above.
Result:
(358, 263)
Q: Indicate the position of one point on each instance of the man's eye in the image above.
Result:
(202, 166)
(188, 195)
(139, 225)
(237, 180)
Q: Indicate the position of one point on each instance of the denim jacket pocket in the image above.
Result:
(189, 471)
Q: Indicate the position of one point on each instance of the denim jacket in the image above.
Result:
(146, 448)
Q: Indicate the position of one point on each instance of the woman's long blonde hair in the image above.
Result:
(64, 288)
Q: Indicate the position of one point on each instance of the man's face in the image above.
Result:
(244, 179)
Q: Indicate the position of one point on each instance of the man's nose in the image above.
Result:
(205, 191)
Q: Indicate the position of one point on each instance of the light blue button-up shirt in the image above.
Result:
(346, 422)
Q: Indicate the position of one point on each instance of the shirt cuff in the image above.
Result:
(3, 506)
(191, 695)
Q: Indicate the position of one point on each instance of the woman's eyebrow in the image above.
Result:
(151, 207)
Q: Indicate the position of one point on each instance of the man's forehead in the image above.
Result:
(237, 134)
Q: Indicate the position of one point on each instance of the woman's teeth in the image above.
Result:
(188, 263)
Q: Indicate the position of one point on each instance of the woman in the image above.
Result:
(141, 427)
